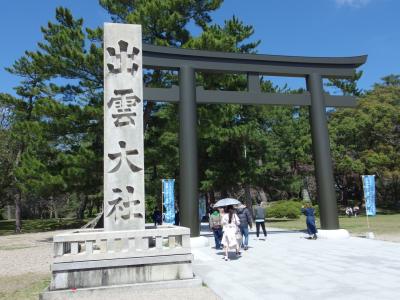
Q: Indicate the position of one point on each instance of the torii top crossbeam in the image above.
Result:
(254, 65)
(274, 65)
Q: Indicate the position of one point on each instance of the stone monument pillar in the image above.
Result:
(125, 255)
(123, 128)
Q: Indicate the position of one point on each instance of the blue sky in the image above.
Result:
(285, 27)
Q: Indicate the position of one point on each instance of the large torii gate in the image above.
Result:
(312, 69)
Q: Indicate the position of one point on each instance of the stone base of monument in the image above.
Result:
(125, 291)
(96, 258)
(333, 234)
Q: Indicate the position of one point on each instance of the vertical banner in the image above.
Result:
(168, 200)
(369, 194)
(202, 207)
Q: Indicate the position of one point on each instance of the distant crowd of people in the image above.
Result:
(350, 212)
(230, 226)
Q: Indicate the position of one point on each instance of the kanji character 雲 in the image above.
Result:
(124, 105)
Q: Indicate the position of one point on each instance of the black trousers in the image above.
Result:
(262, 224)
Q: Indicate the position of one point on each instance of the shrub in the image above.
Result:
(290, 209)
(316, 207)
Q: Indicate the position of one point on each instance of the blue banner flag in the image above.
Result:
(369, 194)
(168, 200)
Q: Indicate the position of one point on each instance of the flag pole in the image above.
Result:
(162, 200)
(365, 200)
(366, 212)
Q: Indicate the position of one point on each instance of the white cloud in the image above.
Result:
(352, 3)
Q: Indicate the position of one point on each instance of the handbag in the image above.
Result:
(238, 234)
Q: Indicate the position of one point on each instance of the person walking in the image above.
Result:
(356, 210)
(177, 220)
(259, 217)
(230, 223)
(309, 212)
(157, 217)
(216, 227)
(349, 211)
(245, 222)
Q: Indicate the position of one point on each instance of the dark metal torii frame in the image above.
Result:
(313, 69)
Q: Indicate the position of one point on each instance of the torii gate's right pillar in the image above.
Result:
(322, 154)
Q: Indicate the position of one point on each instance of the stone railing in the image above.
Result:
(97, 244)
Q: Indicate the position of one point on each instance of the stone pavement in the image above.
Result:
(288, 266)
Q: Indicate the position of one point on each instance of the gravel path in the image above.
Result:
(26, 253)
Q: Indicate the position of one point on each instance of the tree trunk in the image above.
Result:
(51, 207)
(147, 114)
(41, 211)
(262, 194)
(224, 193)
(18, 226)
(212, 196)
(9, 212)
(249, 202)
(82, 206)
(98, 206)
(55, 209)
(90, 207)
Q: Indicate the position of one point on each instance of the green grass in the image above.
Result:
(379, 224)
(14, 247)
(39, 225)
(23, 287)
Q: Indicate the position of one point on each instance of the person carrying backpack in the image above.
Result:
(245, 222)
(216, 227)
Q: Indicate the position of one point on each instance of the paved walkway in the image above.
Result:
(288, 266)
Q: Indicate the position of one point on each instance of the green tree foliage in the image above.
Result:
(58, 128)
(347, 86)
(53, 127)
(366, 140)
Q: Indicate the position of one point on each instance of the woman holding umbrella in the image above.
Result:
(230, 223)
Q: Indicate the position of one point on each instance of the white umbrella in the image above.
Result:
(226, 202)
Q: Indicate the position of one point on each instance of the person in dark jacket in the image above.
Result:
(259, 217)
(309, 212)
(177, 220)
(157, 217)
(245, 221)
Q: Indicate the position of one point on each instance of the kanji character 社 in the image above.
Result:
(123, 205)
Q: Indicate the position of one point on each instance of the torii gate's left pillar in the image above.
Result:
(189, 195)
